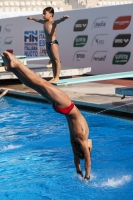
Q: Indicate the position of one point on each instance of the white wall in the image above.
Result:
(93, 46)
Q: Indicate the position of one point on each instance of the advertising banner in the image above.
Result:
(34, 43)
(100, 38)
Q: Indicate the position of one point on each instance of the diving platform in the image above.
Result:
(45, 72)
(40, 69)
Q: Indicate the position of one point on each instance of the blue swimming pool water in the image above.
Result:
(36, 161)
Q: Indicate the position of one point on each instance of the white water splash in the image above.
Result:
(115, 182)
(10, 147)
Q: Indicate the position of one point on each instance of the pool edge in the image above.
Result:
(85, 106)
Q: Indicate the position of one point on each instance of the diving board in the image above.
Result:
(28, 59)
(20, 57)
(125, 91)
(94, 78)
(37, 58)
(24, 59)
(17, 56)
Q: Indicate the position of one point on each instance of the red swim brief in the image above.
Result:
(64, 111)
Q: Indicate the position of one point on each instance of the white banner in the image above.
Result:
(100, 38)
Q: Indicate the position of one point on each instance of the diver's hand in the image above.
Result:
(30, 17)
(87, 178)
(66, 16)
(80, 173)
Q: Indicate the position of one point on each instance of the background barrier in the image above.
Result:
(100, 38)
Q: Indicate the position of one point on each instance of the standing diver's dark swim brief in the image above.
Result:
(49, 44)
(64, 111)
(77, 150)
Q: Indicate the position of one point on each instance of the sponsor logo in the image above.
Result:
(122, 40)
(80, 55)
(0, 28)
(122, 23)
(7, 28)
(42, 39)
(42, 44)
(34, 43)
(99, 40)
(99, 56)
(8, 41)
(100, 22)
(80, 25)
(43, 52)
(30, 47)
(80, 41)
(31, 43)
(121, 58)
(31, 36)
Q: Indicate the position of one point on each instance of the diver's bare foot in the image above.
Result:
(54, 80)
(51, 80)
(10, 61)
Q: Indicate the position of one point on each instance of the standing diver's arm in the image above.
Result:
(41, 21)
(57, 21)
